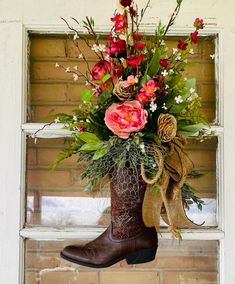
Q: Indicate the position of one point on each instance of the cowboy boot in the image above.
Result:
(127, 237)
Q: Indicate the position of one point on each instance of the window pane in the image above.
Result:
(54, 91)
(58, 198)
(188, 262)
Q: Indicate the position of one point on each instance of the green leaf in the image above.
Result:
(89, 138)
(193, 128)
(100, 153)
(91, 147)
(106, 78)
(154, 63)
(86, 95)
(190, 84)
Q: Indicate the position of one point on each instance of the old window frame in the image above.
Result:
(15, 211)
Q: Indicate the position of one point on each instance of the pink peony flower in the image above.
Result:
(123, 119)
(149, 89)
(131, 80)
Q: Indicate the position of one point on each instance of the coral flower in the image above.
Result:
(123, 119)
(149, 89)
(142, 98)
(131, 80)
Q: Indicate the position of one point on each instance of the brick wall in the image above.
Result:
(52, 91)
(188, 262)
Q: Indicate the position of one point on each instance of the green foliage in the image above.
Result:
(86, 95)
(189, 197)
(154, 64)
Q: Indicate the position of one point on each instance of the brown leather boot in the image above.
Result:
(127, 237)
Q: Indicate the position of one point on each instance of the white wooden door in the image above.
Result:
(19, 16)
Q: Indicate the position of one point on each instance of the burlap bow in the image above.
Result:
(167, 201)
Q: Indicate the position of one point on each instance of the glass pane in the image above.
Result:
(54, 91)
(58, 198)
(188, 262)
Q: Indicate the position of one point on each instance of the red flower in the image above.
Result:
(142, 98)
(100, 69)
(126, 3)
(137, 36)
(164, 63)
(198, 23)
(120, 22)
(81, 128)
(134, 60)
(117, 47)
(194, 37)
(139, 45)
(133, 12)
(182, 44)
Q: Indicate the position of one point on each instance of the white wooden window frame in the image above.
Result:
(13, 127)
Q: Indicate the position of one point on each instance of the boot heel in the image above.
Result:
(141, 256)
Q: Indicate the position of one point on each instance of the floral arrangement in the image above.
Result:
(138, 109)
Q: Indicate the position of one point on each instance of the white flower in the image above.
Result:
(191, 51)
(114, 35)
(185, 79)
(167, 87)
(57, 120)
(122, 59)
(153, 50)
(96, 107)
(154, 165)
(164, 73)
(145, 51)
(87, 83)
(175, 50)
(102, 47)
(153, 106)
(178, 99)
(192, 90)
(107, 57)
(192, 97)
(67, 69)
(75, 77)
(162, 42)
(142, 148)
(186, 61)
(75, 118)
(87, 120)
(164, 106)
(95, 48)
(75, 67)
(80, 56)
(171, 71)
(57, 65)
(75, 36)
(178, 57)
(212, 56)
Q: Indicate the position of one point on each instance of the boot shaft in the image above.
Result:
(127, 193)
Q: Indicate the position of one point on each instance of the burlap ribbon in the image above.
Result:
(167, 201)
